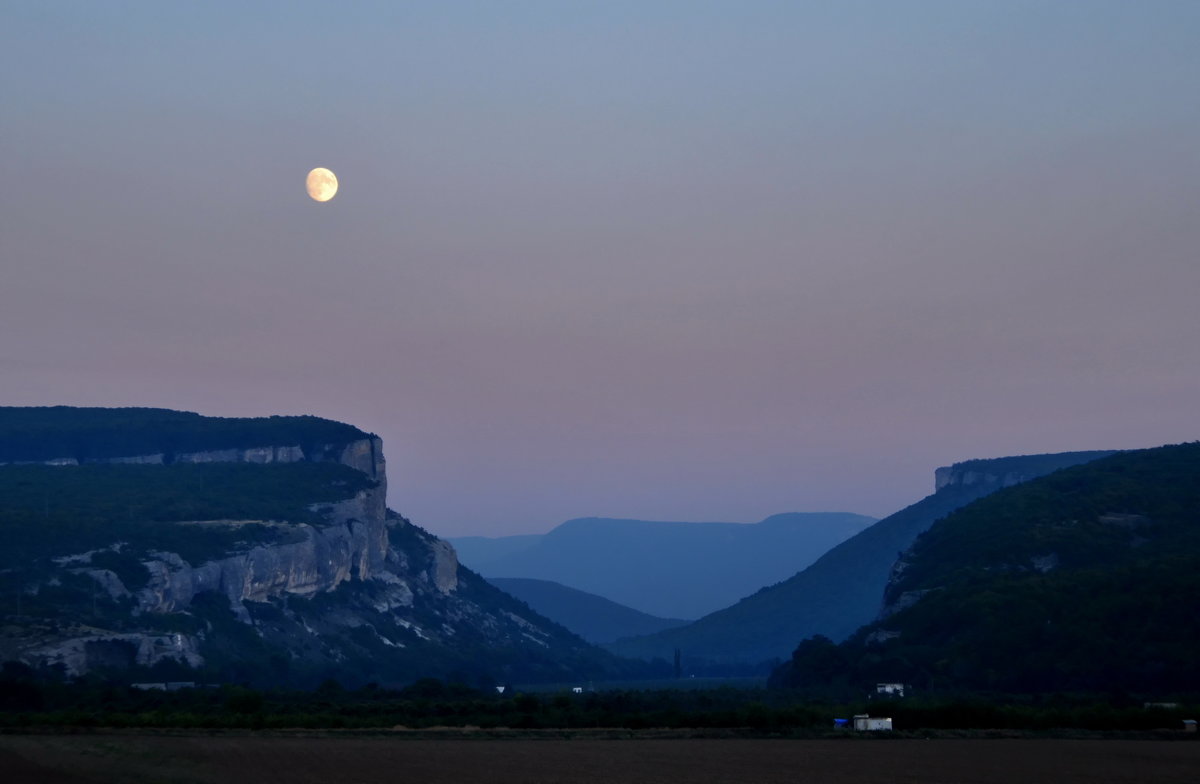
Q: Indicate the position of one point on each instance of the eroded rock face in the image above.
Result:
(997, 473)
(363, 593)
(352, 546)
(365, 454)
(98, 649)
(953, 475)
(445, 566)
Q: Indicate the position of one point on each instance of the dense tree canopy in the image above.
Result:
(56, 432)
(1082, 580)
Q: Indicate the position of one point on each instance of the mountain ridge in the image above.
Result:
(666, 568)
(594, 618)
(841, 590)
(1080, 580)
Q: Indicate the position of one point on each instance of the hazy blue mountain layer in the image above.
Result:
(1084, 580)
(484, 549)
(671, 569)
(592, 617)
(843, 589)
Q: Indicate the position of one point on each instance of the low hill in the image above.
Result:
(843, 589)
(672, 569)
(592, 617)
(156, 545)
(1084, 580)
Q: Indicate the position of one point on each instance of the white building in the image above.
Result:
(165, 686)
(864, 723)
(890, 689)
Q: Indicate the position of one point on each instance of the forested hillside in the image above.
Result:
(844, 588)
(39, 434)
(1083, 580)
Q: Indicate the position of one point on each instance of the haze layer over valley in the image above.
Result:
(667, 569)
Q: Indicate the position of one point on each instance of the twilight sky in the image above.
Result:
(671, 260)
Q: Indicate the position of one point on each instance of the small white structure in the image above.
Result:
(577, 689)
(890, 689)
(864, 723)
(499, 689)
(164, 685)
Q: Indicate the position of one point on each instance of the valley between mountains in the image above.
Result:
(158, 545)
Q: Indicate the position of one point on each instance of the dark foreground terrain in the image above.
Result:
(74, 759)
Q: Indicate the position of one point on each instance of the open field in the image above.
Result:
(232, 759)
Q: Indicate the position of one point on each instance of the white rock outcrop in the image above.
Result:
(351, 543)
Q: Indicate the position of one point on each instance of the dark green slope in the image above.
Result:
(36, 434)
(1083, 580)
(843, 589)
(592, 617)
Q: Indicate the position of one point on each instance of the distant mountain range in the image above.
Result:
(843, 589)
(1083, 580)
(484, 549)
(665, 569)
(592, 617)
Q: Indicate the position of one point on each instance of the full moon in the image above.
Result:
(321, 184)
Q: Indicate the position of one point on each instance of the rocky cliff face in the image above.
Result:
(956, 475)
(364, 455)
(353, 544)
(362, 592)
(997, 473)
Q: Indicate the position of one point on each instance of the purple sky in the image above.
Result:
(675, 260)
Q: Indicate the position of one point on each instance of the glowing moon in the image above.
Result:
(321, 184)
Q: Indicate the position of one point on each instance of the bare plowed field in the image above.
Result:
(67, 759)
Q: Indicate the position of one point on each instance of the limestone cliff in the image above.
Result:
(948, 476)
(997, 473)
(351, 544)
(364, 454)
(352, 591)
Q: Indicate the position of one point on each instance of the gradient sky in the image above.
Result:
(669, 260)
